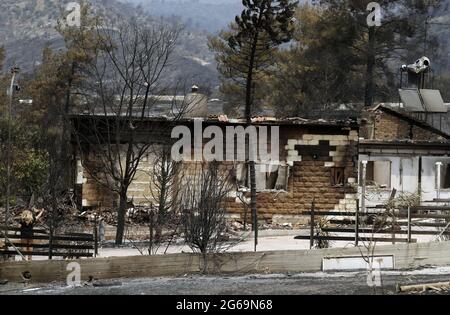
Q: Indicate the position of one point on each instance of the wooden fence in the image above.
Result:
(44, 243)
(365, 226)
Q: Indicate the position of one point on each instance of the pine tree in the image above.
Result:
(336, 57)
(400, 31)
(320, 67)
(2, 57)
(248, 53)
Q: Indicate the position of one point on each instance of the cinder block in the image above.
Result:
(291, 147)
(294, 159)
(313, 142)
(292, 153)
(318, 137)
(292, 142)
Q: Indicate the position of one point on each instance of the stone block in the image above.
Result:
(292, 142)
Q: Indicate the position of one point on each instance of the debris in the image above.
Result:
(3, 282)
(107, 284)
(89, 282)
(437, 286)
(237, 226)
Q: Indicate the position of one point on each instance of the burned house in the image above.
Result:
(403, 153)
(404, 146)
(317, 160)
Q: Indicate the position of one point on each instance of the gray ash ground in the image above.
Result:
(350, 283)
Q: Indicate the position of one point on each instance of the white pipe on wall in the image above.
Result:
(363, 186)
(438, 179)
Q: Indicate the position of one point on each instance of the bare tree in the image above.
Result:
(384, 221)
(204, 206)
(165, 191)
(125, 76)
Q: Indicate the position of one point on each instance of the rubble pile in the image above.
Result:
(65, 217)
(14, 214)
(133, 216)
(139, 215)
(237, 226)
(70, 219)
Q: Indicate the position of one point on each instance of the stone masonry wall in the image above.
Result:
(312, 157)
(389, 127)
(97, 195)
(311, 153)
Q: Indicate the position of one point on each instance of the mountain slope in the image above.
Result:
(204, 15)
(26, 26)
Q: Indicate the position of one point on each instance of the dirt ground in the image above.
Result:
(346, 283)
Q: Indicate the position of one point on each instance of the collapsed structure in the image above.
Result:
(405, 154)
(402, 146)
(318, 160)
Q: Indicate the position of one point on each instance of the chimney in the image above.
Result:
(196, 104)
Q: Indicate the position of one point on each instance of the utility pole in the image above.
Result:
(14, 72)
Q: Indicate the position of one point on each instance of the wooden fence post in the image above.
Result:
(151, 227)
(394, 223)
(409, 224)
(311, 241)
(96, 236)
(357, 223)
(50, 243)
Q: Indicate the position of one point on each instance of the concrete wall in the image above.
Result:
(405, 256)
(405, 177)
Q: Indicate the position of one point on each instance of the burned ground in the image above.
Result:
(350, 283)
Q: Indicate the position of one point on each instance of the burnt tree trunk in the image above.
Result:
(248, 114)
(123, 199)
